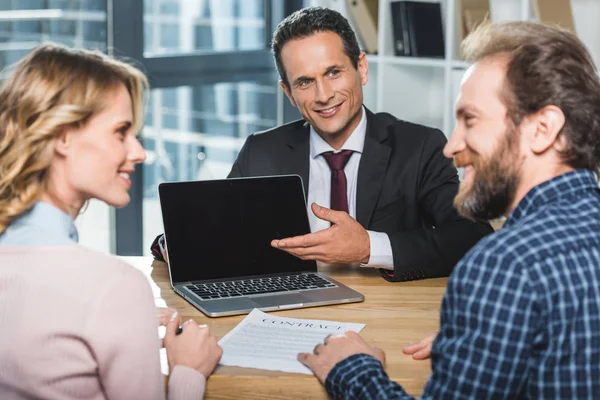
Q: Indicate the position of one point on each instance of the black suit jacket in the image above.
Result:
(405, 188)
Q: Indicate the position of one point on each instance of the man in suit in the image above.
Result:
(379, 190)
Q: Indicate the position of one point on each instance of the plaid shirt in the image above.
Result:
(521, 313)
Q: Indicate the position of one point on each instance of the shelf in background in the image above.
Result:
(411, 61)
(415, 61)
(424, 89)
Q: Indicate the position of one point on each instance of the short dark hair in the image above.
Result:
(547, 65)
(308, 21)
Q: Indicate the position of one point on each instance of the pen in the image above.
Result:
(180, 327)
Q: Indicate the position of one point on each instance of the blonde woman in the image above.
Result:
(76, 323)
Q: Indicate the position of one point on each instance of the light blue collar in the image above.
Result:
(41, 225)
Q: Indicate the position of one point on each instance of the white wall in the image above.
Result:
(94, 226)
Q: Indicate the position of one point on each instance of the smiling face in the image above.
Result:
(486, 143)
(324, 85)
(98, 158)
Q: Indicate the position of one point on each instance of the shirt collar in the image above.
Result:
(356, 141)
(51, 219)
(551, 191)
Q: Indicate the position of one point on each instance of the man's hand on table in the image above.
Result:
(420, 350)
(335, 349)
(346, 241)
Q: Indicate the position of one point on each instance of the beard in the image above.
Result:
(495, 181)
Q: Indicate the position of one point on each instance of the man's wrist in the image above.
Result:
(349, 373)
(367, 252)
(161, 246)
(365, 259)
(380, 251)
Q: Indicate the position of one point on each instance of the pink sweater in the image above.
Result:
(77, 324)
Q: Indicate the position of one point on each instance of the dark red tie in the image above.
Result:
(339, 185)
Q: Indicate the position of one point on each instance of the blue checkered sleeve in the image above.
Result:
(521, 313)
(362, 377)
(488, 329)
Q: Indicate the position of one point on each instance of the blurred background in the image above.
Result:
(214, 82)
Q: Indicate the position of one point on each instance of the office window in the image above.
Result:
(188, 26)
(24, 24)
(196, 132)
(213, 83)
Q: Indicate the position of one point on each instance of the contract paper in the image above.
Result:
(265, 341)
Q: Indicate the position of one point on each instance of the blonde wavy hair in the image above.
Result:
(50, 89)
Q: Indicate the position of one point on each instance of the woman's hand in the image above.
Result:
(194, 347)
(164, 315)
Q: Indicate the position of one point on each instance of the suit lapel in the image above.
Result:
(371, 171)
(297, 159)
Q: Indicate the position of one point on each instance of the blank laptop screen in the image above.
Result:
(223, 228)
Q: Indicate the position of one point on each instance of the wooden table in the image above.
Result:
(395, 314)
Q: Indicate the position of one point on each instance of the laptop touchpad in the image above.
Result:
(279, 300)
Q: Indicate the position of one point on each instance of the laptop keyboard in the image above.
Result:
(245, 287)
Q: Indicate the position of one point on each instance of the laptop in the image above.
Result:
(218, 237)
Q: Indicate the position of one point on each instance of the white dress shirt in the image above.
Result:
(319, 189)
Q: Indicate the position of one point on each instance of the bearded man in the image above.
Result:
(520, 317)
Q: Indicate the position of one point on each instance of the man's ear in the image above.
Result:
(363, 68)
(288, 92)
(62, 143)
(548, 122)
